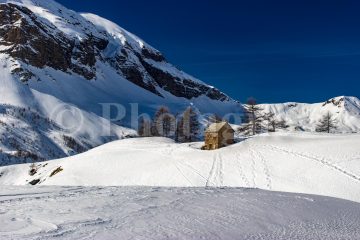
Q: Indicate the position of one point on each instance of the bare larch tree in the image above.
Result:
(327, 123)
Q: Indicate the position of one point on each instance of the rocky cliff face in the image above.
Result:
(35, 39)
(34, 42)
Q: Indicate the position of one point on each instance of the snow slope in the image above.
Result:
(107, 213)
(35, 122)
(305, 117)
(307, 163)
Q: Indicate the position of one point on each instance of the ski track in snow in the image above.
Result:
(194, 170)
(212, 174)
(265, 166)
(216, 174)
(253, 166)
(169, 152)
(321, 160)
(240, 169)
(221, 170)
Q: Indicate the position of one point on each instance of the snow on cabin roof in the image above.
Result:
(215, 127)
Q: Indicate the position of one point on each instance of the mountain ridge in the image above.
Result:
(305, 116)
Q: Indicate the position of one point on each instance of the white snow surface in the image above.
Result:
(307, 163)
(303, 116)
(107, 213)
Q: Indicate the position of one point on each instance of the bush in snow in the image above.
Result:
(273, 123)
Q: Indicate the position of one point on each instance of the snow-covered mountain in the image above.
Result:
(44, 35)
(305, 117)
(56, 69)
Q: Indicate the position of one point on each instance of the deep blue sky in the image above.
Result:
(276, 51)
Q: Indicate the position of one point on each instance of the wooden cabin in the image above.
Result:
(218, 135)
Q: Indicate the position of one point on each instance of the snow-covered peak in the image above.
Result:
(117, 32)
(65, 20)
(348, 103)
(79, 26)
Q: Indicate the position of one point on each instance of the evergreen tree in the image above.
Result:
(180, 130)
(194, 125)
(144, 129)
(188, 127)
(327, 123)
(254, 118)
(164, 123)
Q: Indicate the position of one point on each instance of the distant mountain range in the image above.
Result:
(305, 117)
(57, 67)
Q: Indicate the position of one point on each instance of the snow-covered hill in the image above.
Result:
(308, 163)
(305, 117)
(54, 60)
(107, 213)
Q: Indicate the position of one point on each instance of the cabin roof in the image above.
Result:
(216, 127)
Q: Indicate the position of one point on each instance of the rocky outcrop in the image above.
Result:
(182, 87)
(338, 102)
(38, 44)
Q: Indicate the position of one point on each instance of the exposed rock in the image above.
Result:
(40, 45)
(34, 182)
(336, 102)
(182, 87)
(56, 171)
(158, 57)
